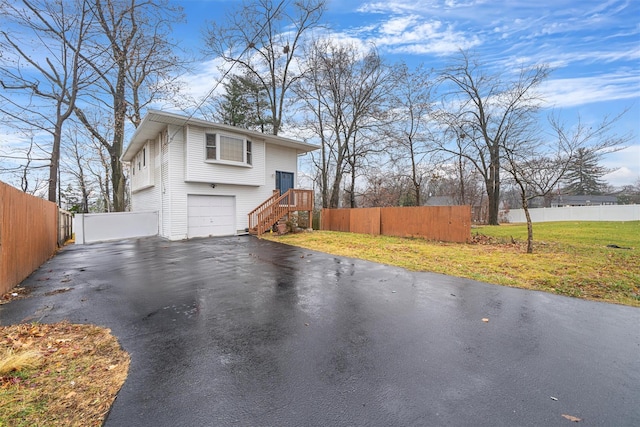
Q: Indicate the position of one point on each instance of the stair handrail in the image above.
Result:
(253, 215)
(277, 206)
(273, 212)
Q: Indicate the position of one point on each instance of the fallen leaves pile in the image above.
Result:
(60, 374)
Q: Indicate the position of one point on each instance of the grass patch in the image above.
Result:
(570, 258)
(16, 362)
(58, 375)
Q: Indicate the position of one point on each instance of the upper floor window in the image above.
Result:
(211, 147)
(228, 149)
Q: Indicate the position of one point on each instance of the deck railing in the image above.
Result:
(277, 207)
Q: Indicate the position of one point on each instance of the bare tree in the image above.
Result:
(408, 129)
(537, 166)
(535, 172)
(22, 163)
(343, 93)
(262, 38)
(55, 78)
(131, 54)
(75, 164)
(489, 110)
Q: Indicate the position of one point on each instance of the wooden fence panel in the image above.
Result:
(443, 223)
(365, 221)
(335, 219)
(28, 234)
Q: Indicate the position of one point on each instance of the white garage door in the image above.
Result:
(211, 215)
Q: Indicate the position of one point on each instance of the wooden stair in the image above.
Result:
(278, 207)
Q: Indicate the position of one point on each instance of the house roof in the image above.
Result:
(155, 121)
(593, 199)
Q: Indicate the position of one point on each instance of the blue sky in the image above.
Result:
(593, 48)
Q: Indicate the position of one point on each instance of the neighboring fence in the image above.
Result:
(65, 226)
(578, 213)
(91, 228)
(443, 223)
(28, 234)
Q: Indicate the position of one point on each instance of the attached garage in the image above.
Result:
(211, 215)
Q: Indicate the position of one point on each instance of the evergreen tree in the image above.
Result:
(245, 105)
(233, 105)
(584, 175)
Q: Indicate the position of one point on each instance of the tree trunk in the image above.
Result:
(325, 176)
(352, 195)
(525, 206)
(117, 181)
(414, 176)
(334, 201)
(55, 158)
(55, 164)
(493, 188)
(119, 115)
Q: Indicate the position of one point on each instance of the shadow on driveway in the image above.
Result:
(240, 331)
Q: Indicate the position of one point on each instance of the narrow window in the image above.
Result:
(211, 146)
(144, 157)
(249, 160)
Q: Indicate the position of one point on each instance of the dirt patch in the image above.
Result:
(57, 291)
(15, 294)
(73, 380)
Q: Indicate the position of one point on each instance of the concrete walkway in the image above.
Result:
(243, 332)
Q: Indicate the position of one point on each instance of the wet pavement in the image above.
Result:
(242, 332)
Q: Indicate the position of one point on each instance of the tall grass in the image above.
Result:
(15, 361)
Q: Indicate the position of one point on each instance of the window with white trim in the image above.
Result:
(211, 146)
(225, 148)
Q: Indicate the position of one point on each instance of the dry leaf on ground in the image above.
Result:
(572, 418)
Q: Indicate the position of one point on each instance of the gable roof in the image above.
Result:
(155, 121)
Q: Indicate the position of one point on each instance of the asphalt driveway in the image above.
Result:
(243, 332)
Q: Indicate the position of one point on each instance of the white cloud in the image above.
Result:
(201, 83)
(388, 7)
(626, 165)
(571, 92)
(396, 26)
(424, 37)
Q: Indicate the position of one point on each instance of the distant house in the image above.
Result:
(441, 201)
(561, 201)
(204, 178)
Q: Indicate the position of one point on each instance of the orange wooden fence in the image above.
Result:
(443, 223)
(28, 234)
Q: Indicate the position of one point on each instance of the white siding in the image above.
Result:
(283, 160)
(142, 167)
(199, 170)
(147, 198)
(165, 212)
(177, 188)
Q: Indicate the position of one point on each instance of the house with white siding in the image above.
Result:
(204, 178)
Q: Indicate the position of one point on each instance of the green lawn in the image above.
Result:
(570, 258)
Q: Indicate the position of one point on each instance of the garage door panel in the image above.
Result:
(211, 215)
